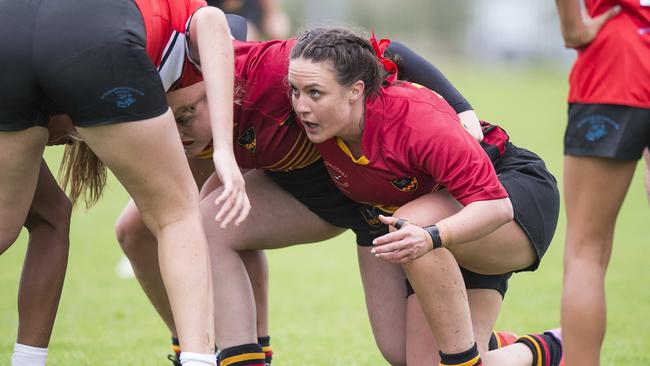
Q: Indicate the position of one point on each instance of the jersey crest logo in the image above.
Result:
(405, 184)
(248, 140)
(124, 97)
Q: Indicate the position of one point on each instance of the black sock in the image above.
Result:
(246, 354)
(545, 348)
(265, 343)
(470, 357)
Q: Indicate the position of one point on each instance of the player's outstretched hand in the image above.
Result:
(233, 200)
(409, 242)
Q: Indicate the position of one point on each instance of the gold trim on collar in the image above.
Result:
(362, 159)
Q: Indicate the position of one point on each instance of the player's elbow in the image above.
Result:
(212, 18)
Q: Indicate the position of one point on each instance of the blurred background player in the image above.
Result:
(267, 19)
(608, 129)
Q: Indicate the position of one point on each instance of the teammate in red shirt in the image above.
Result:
(266, 133)
(103, 77)
(405, 156)
(608, 129)
(398, 145)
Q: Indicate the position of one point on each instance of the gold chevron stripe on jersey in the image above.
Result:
(303, 153)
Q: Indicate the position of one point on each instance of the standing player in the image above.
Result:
(47, 61)
(400, 145)
(608, 129)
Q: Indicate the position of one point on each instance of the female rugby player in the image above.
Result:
(399, 145)
(608, 129)
(105, 77)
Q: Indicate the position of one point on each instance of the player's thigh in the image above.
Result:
(148, 158)
(20, 158)
(591, 213)
(504, 250)
(276, 220)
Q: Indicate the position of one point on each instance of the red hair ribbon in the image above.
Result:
(380, 47)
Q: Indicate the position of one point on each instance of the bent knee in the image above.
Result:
(55, 214)
(131, 233)
(392, 355)
(392, 348)
(596, 251)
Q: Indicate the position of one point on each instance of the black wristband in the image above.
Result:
(434, 233)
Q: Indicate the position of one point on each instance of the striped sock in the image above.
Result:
(265, 343)
(501, 339)
(176, 348)
(470, 357)
(546, 348)
(243, 355)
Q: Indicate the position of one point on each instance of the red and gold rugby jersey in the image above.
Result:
(615, 67)
(413, 144)
(166, 23)
(267, 136)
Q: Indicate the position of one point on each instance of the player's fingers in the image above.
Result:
(246, 209)
(392, 247)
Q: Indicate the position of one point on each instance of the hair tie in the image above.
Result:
(380, 47)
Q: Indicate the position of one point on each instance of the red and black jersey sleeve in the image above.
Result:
(162, 19)
(453, 158)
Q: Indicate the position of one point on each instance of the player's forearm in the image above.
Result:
(571, 22)
(474, 221)
(214, 50)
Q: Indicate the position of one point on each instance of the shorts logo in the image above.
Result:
(248, 140)
(371, 215)
(405, 184)
(124, 97)
(599, 126)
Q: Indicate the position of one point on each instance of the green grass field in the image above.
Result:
(317, 311)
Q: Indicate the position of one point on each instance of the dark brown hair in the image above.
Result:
(352, 56)
(83, 173)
